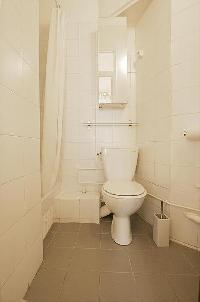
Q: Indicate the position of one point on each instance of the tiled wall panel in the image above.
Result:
(80, 143)
(168, 87)
(154, 97)
(20, 196)
(185, 115)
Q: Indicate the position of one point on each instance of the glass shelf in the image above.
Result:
(112, 105)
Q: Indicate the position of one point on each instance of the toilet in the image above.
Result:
(122, 195)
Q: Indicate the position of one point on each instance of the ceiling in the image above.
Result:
(135, 11)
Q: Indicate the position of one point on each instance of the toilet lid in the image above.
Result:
(123, 188)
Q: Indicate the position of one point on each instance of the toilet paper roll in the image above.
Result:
(192, 135)
(193, 216)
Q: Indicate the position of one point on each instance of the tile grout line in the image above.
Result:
(67, 271)
(129, 259)
(99, 288)
(190, 263)
(178, 300)
(69, 265)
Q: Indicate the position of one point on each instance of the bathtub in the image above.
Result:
(77, 207)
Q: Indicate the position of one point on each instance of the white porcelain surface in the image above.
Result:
(123, 188)
(119, 163)
(122, 207)
(77, 207)
(122, 196)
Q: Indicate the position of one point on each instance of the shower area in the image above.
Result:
(52, 94)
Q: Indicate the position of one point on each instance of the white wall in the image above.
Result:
(20, 197)
(111, 7)
(185, 115)
(168, 81)
(153, 83)
(45, 7)
(78, 142)
(87, 9)
(82, 169)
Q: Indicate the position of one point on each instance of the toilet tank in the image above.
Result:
(119, 164)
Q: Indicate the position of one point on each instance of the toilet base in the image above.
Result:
(121, 230)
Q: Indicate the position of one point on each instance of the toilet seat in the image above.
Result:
(123, 188)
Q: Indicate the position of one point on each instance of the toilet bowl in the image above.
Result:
(122, 196)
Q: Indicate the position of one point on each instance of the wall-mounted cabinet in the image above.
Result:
(112, 61)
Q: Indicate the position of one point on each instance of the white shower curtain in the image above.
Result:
(52, 117)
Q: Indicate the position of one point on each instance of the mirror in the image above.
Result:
(112, 61)
(105, 61)
(105, 90)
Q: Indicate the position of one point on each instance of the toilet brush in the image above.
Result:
(161, 210)
(161, 227)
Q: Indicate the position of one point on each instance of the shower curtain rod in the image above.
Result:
(57, 4)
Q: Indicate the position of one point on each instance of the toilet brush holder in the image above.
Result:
(161, 229)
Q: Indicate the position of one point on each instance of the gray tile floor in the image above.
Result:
(83, 264)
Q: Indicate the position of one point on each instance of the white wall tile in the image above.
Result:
(11, 162)
(19, 281)
(167, 104)
(87, 151)
(6, 258)
(186, 100)
(33, 224)
(31, 155)
(162, 153)
(20, 155)
(87, 134)
(180, 5)
(81, 144)
(89, 208)
(190, 44)
(12, 203)
(186, 21)
(69, 209)
(184, 175)
(183, 229)
(35, 258)
(70, 183)
(75, 9)
(18, 117)
(162, 175)
(181, 123)
(70, 150)
(186, 74)
(17, 284)
(91, 176)
(185, 195)
(28, 82)
(184, 153)
(11, 67)
(10, 24)
(18, 234)
(32, 190)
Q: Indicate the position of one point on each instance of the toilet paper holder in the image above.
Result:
(184, 133)
(192, 135)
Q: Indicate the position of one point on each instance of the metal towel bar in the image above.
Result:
(93, 124)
